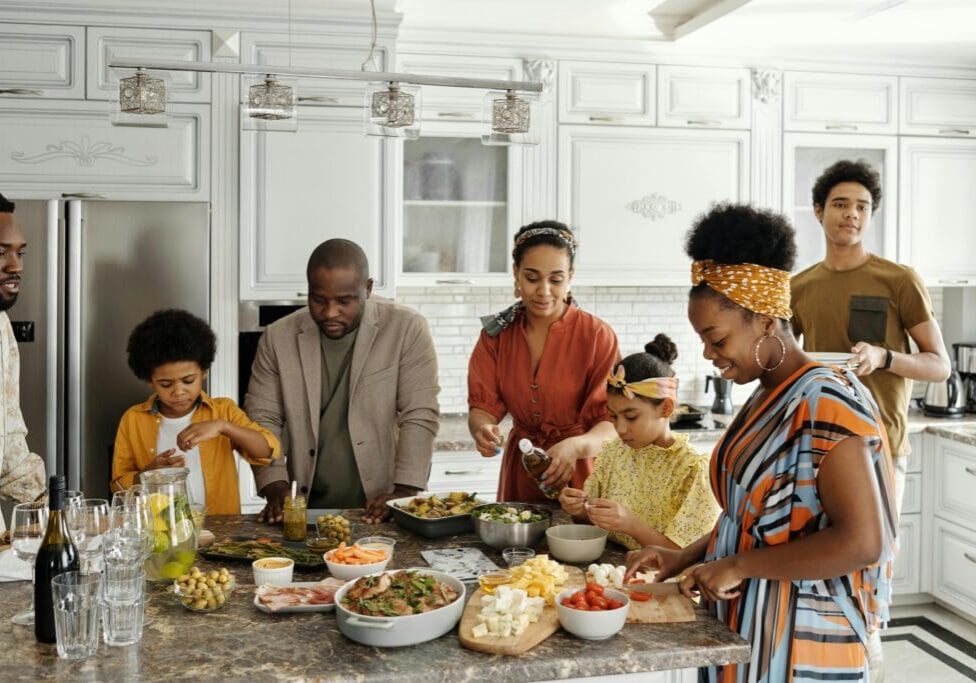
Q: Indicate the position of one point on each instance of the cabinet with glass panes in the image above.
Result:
(806, 156)
(457, 209)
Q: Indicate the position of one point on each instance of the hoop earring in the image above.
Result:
(517, 291)
(759, 342)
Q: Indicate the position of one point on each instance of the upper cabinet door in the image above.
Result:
(633, 194)
(456, 104)
(938, 106)
(615, 94)
(300, 189)
(47, 59)
(840, 103)
(805, 157)
(323, 52)
(106, 44)
(938, 203)
(692, 97)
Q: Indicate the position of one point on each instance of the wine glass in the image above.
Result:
(73, 498)
(27, 530)
(87, 523)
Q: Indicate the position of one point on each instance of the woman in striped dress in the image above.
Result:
(799, 561)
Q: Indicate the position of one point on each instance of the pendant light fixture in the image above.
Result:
(510, 115)
(271, 105)
(141, 101)
(393, 110)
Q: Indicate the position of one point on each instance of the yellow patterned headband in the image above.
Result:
(652, 387)
(759, 289)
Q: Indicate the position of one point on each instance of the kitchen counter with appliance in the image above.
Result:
(240, 642)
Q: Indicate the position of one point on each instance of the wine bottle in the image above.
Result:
(536, 461)
(56, 555)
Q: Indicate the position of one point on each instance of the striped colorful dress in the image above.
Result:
(764, 475)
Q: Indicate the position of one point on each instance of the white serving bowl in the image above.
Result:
(347, 572)
(576, 543)
(400, 631)
(265, 575)
(593, 625)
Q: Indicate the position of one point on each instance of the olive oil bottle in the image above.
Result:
(56, 555)
(536, 461)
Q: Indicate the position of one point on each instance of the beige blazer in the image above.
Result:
(393, 410)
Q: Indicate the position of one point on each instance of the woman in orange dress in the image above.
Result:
(544, 361)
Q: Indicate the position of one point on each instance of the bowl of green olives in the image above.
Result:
(204, 591)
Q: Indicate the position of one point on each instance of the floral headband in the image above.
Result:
(759, 289)
(564, 235)
(652, 387)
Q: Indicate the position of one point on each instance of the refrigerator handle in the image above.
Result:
(53, 424)
(73, 247)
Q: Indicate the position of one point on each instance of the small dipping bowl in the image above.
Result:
(489, 581)
(384, 543)
(273, 571)
(518, 555)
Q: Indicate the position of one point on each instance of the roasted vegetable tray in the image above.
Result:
(249, 549)
(427, 527)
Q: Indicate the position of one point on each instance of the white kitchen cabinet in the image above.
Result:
(938, 201)
(107, 44)
(299, 189)
(456, 104)
(842, 103)
(954, 566)
(49, 147)
(806, 156)
(461, 202)
(915, 459)
(907, 567)
(251, 501)
(465, 471)
(633, 193)
(698, 97)
(954, 479)
(938, 106)
(47, 59)
(317, 51)
(912, 500)
(607, 93)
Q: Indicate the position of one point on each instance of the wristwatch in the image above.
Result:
(889, 356)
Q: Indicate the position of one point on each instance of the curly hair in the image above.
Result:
(740, 233)
(170, 336)
(846, 171)
(655, 361)
(567, 244)
(6, 206)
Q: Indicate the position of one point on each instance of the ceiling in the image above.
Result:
(937, 32)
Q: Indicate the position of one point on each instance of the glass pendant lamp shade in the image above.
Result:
(270, 105)
(141, 101)
(393, 110)
(511, 116)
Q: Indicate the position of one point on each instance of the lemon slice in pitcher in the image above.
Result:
(182, 531)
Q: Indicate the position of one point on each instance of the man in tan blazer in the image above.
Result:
(349, 385)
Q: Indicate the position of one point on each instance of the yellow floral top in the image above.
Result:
(668, 488)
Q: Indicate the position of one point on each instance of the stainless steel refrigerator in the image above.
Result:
(93, 270)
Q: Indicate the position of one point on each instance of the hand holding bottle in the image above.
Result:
(563, 456)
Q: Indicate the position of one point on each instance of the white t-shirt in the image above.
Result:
(169, 428)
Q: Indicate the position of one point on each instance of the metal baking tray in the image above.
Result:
(429, 528)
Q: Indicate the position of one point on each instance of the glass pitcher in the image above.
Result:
(175, 546)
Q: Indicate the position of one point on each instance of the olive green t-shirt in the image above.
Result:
(876, 303)
(337, 483)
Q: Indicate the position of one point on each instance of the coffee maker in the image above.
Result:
(966, 365)
(722, 405)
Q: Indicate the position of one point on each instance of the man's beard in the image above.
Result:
(7, 302)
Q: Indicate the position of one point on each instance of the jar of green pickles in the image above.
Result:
(295, 513)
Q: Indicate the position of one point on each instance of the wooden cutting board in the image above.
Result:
(667, 604)
(513, 645)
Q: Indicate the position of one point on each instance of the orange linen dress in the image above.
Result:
(567, 396)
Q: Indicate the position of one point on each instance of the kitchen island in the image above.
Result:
(240, 642)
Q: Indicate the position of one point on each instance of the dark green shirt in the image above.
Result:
(337, 483)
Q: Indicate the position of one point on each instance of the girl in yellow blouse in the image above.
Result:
(649, 487)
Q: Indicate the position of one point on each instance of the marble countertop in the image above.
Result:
(239, 642)
(454, 436)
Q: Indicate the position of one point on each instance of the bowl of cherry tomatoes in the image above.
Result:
(593, 612)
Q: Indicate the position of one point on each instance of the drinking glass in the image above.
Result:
(87, 524)
(26, 533)
(77, 606)
(124, 592)
(131, 509)
(72, 498)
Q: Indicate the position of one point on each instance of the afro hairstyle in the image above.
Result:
(170, 336)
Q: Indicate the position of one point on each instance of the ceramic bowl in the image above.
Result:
(273, 571)
(576, 543)
(593, 625)
(347, 572)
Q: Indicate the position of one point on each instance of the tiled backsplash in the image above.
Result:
(635, 313)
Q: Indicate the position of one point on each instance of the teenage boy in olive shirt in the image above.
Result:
(857, 301)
